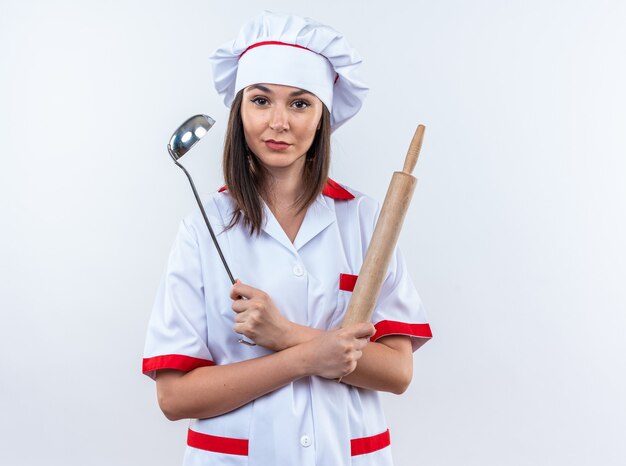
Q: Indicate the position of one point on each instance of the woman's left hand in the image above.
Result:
(257, 318)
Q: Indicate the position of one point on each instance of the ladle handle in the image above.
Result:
(206, 221)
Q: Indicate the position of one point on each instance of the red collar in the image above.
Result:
(336, 191)
(331, 189)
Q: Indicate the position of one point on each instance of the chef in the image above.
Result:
(296, 241)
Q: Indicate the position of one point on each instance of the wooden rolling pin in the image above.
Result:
(385, 237)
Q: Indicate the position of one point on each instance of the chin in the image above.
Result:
(279, 165)
(278, 160)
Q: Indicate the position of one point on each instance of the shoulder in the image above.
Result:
(218, 206)
(351, 200)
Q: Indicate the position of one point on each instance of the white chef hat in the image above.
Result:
(293, 51)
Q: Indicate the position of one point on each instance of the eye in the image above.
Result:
(301, 104)
(259, 100)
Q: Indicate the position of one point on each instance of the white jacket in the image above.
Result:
(312, 421)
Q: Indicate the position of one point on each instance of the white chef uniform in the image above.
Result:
(312, 421)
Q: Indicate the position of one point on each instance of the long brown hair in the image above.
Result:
(246, 177)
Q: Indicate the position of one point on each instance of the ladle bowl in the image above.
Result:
(187, 134)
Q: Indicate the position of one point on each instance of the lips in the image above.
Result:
(277, 145)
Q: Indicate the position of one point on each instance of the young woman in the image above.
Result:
(296, 240)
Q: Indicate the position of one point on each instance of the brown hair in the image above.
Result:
(245, 177)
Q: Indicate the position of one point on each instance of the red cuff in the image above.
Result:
(174, 361)
(390, 327)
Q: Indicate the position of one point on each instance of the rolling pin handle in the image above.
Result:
(414, 150)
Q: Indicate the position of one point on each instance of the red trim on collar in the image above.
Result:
(336, 191)
(331, 189)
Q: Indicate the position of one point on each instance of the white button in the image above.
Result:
(305, 441)
(298, 271)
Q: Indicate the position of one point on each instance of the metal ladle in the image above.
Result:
(183, 139)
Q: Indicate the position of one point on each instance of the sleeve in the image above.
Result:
(399, 310)
(177, 331)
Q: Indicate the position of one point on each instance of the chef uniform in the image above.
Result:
(311, 421)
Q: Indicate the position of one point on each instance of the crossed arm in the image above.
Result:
(385, 365)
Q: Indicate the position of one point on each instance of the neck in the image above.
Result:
(283, 192)
(283, 188)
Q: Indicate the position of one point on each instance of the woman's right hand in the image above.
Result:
(334, 354)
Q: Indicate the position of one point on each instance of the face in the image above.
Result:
(280, 123)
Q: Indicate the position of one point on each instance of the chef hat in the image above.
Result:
(292, 51)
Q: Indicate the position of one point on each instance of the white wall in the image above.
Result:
(515, 238)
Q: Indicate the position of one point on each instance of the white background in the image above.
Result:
(515, 238)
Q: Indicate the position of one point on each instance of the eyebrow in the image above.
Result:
(267, 90)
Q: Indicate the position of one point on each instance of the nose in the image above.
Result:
(279, 119)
